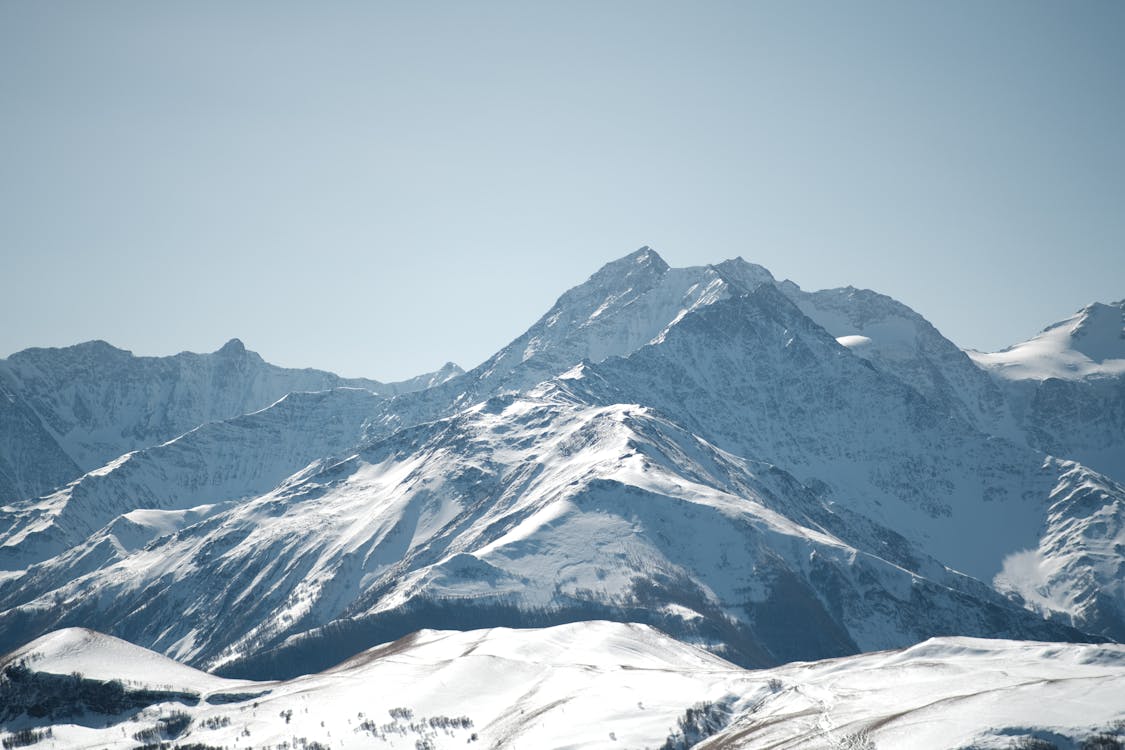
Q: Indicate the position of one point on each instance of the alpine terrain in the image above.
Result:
(688, 507)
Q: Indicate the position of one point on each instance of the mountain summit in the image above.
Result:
(1089, 344)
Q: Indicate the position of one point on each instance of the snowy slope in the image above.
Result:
(100, 656)
(582, 685)
(1076, 572)
(598, 684)
(31, 461)
(218, 461)
(1089, 344)
(97, 402)
(944, 693)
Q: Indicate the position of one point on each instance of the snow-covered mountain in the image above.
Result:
(74, 409)
(31, 460)
(217, 461)
(903, 344)
(582, 685)
(1066, 387)
(757, 378)
(769, 473)
(1088, 344)
(539, 507)
(1076, 572)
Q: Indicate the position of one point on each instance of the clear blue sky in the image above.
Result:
(376, 188)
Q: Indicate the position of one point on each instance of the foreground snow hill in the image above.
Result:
(585, 685)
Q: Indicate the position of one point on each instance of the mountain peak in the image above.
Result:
(233, 348)
(1099, 332)
(644, 258)
(639, 271)
(744, 274)
(96, 349)
(1089, 343)
(646, 254)
(99, 345)
(1110, 310)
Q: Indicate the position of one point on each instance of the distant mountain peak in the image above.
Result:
(644, 260)
(95, 347)
(744, 274)
(1090, 343)
(100, 345)
(233, 348)
(1101, 313)
(646, 254)
(1099, 332)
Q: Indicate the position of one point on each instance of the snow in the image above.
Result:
(854, 341)
(609, 685)
(571, 686)
(944, 693)
(216, 462)
(1075, 571)
(1089, 344)
(99, 656)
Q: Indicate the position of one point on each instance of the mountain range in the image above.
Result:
(767, 475)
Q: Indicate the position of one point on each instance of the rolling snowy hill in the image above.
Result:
(584, 685)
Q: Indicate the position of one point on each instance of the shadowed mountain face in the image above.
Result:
(770, 473)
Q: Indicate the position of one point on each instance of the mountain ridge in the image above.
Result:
(88, 404)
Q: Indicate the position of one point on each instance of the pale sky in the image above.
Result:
(376, 188)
